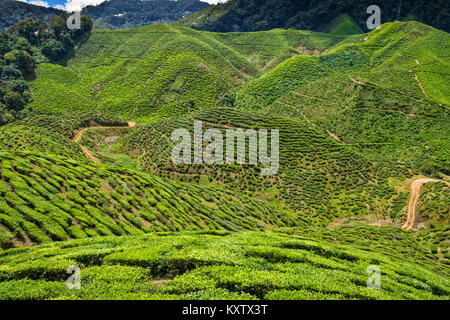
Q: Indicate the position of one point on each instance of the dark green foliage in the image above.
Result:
(12, 11)
(53, 49)
(256, 15)
(124, 14)
(21, 47)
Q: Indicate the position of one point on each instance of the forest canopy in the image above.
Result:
(22, 47)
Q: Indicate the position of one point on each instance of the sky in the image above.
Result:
(77, 5)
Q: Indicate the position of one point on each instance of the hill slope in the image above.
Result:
(385, 95)
(318, 176)
(243, 265)
(161, 70)
(47, 197)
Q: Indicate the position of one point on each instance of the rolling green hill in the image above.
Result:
(381, 93)
(160, 70)
(47, 197)
(88, 180)
(317, 15)
(318, 176)
(220, 265)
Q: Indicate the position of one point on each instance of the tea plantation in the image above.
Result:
(87, 178)
(318, 176)
(215, 265)
(161, 70)
(386, 94)
(49, 198)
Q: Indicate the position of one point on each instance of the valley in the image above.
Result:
(87, 177)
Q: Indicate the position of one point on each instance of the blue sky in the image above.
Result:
(72, 5)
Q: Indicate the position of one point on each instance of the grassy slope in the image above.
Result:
(45, 198)
(386, 114)
(384, 49)
(318, 176)
(160, 70)
(434, 206)
(52, 134)
(31, 138)
(343, 25)
(243, 265)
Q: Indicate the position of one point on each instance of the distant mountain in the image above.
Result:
(12, 11)
(317, 15)
(112, 14)
(120, 14)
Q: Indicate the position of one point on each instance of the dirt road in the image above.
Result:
(416, 186)
(88, 153)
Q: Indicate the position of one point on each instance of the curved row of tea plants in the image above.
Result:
(319, 177)
(213, 265)
(45, 198)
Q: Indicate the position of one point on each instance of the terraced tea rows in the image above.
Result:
(384, 94)
(319, 177)
(219, 265)
(161, 70)
(30, 138)
(45, 198)
(68, 124)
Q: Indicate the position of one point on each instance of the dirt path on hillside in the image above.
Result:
(390, 90)
(416, 186)
(420, 85)
(88, 153)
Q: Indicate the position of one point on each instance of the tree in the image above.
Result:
(83, 34)
(14, 101)
(53, 50)
(4, 44)
(30, 29)
(24, 45)
(58, 24)
(22, 60)
(11, 72)
(5, 115)
(19, 86)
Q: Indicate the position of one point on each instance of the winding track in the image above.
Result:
(88, 153)
(416, 186)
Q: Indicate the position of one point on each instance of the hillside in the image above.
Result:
(381, 94)
(317, 15)
(318, 177)
(46, 197)
(359, 157)
(161, 70)
(362, 139)
(221, 266)
(12, 11)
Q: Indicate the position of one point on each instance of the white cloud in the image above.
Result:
(36, 2)
(77, 5)
(213, 1)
